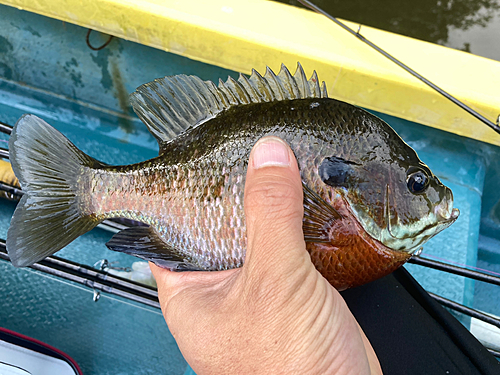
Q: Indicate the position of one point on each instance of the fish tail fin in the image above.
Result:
(53, 173)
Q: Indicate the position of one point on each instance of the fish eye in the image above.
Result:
(417, 182)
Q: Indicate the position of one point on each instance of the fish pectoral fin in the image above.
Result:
(145, 243)
(318, 217)
(171, 105)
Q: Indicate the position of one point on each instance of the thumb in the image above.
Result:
(274, 208)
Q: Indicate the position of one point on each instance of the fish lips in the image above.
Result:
(422, 236)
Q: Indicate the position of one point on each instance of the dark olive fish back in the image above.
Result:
(348, 131)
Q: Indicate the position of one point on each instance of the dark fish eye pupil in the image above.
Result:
(417, 182)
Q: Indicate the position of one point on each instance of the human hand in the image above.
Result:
(276, 314)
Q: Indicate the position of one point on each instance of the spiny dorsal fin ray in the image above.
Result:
(170, 105)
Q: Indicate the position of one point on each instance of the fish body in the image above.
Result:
(369, 202)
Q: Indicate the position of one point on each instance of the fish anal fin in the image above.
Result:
(145, 243)
(319, 217)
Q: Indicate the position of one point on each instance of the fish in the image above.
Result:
(369, 201)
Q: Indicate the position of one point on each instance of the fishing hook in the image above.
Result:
(495, 127)
(104, 265)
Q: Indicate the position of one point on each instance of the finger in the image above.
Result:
(167, 282)
(170, 283)
(373, 361)
(274, 207)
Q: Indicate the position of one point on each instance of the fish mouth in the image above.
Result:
(444, 213)
(455, 213)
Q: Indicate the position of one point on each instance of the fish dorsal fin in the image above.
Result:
(170, 105)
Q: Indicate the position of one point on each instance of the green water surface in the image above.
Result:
(468, 25)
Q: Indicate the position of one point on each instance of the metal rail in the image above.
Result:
(466, 108)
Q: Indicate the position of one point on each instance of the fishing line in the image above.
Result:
(495, 127)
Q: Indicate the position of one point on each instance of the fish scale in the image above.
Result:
(369, 202)
(215, 191)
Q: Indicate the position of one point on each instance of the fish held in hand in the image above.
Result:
(369, 202)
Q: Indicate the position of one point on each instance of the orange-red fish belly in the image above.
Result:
(353, 258)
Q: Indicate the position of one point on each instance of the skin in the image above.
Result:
(276, 314)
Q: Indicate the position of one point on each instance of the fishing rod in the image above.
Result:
(496, 353)
(5, 128)
(495, 127)
(476, 314)
(15, 193)
(473, 313)
(98, 280)
(114, 227)
(456, 270)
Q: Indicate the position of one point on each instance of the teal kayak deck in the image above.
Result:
(46, 68)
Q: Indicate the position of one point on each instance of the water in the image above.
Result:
(468, 25)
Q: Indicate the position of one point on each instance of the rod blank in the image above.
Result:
(5, 128)
(461, 271)
(466, 310)
(95, 279)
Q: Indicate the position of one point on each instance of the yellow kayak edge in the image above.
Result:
(245, 34)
